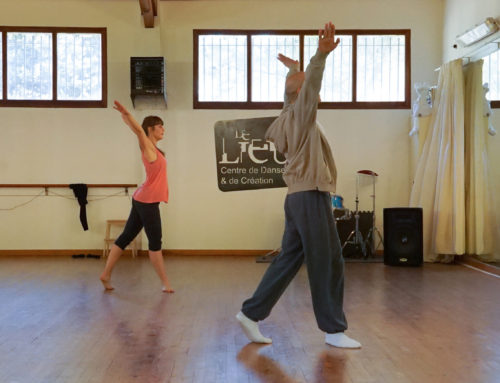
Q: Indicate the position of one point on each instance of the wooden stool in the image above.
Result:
(135, 245)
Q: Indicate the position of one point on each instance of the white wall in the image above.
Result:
(40, 145)
(93, 146)
(459, 16)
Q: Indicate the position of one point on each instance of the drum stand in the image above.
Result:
(357, 238)
(370, 238)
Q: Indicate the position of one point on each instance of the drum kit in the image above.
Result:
(364, 247)
(357, 245)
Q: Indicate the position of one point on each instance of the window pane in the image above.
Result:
(268, 73)
(29, 66)
(222, 68)
(381, 68)
(491, 75)
(337, 78)
(79, 64)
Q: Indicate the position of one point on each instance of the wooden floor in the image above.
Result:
(439, 323)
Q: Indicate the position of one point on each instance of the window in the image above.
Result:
(53, 67)
(223, 66)
(238, 69)
(268, 73)
(337, 77)
(381, 68)
(29, 66)
(491, 75)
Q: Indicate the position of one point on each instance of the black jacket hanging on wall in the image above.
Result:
(80, 191)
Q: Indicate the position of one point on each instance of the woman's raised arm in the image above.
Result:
(146, 145)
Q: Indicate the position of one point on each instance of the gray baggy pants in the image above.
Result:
(310, 232)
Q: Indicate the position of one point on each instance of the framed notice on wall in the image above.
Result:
(245, 159)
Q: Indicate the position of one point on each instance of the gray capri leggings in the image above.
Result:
(145, 215)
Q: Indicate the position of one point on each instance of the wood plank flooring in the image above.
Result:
(439, 323)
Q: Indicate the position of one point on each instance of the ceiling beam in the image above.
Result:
(148, 12)
(155, 7)
(145, 6)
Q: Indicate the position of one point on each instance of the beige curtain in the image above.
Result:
(478, 202)
(439, 185)
(418, 134)
(421, 116)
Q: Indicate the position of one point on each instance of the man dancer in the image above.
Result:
(310, 229)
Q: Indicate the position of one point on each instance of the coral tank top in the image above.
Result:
(155, 188)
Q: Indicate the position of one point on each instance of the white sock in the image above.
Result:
(341, 340)
(251, 329)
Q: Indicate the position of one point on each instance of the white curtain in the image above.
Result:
(478, 202)
(439, 184)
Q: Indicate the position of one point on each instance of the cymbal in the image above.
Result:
(368, 172)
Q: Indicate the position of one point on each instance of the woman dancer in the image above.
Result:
(146, 199)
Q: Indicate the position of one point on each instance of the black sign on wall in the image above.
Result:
(245, 159)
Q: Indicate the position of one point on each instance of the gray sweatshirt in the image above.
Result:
(295, 133)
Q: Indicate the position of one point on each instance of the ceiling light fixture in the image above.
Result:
(477, 33)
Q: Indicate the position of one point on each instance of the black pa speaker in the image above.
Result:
(403, 237)
(147, 76)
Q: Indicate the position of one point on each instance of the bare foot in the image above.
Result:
(167, 289)
(106, 283)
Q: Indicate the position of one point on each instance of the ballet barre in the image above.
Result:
(51, 186)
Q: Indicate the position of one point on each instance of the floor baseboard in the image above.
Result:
(68, 252)
(471, 261)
